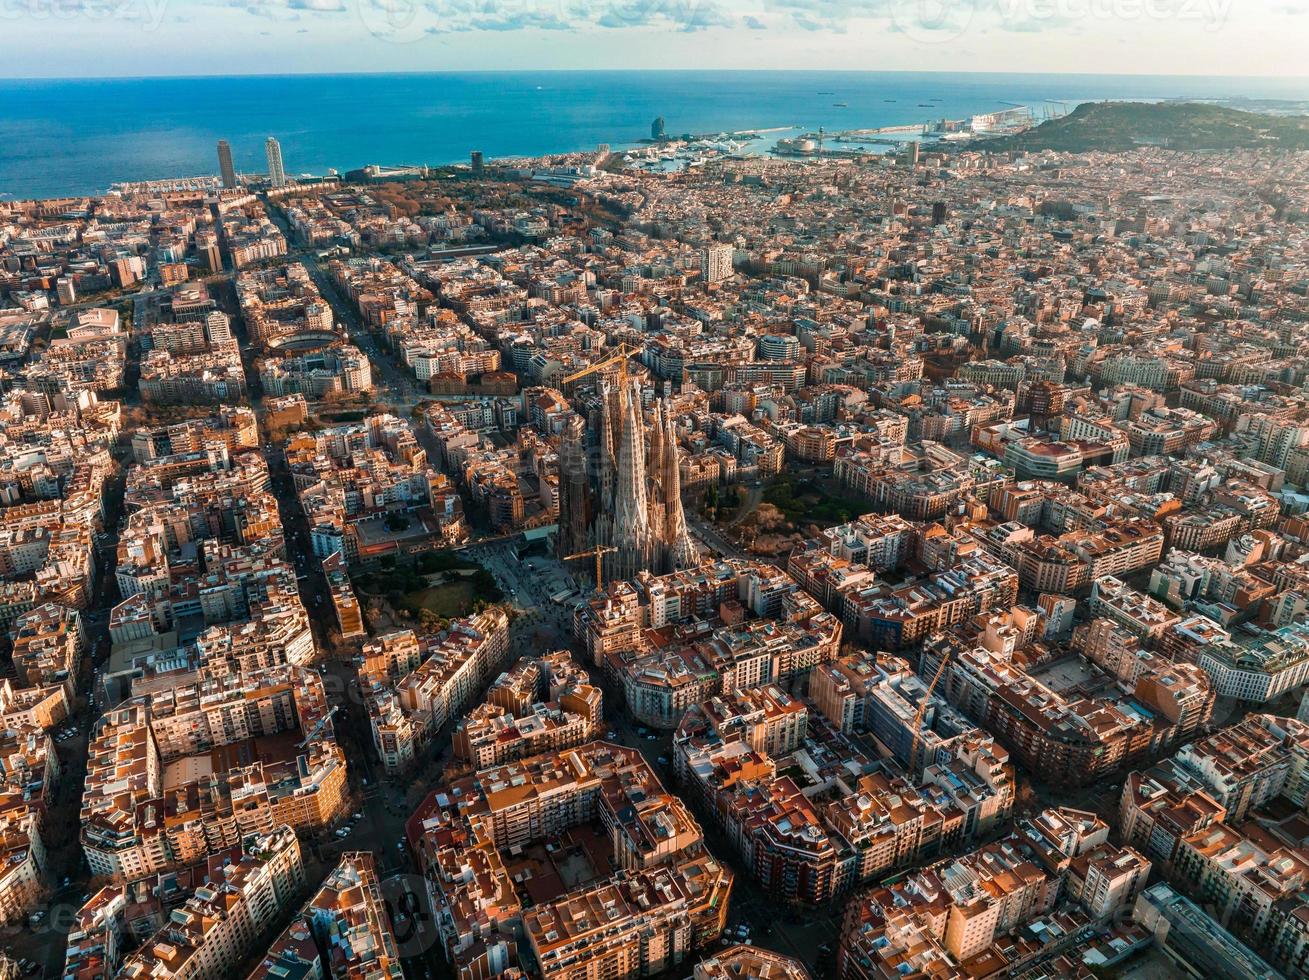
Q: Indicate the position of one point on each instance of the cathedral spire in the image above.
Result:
(654, 472)
(610, 420)
(574, 490)
(631, 531)
(681, 551)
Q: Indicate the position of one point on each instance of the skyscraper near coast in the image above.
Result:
(276, 172)
(225, 166)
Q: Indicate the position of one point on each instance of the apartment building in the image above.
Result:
(344, 930)
(245, 893)
(539, 705)
(155, 797)
(408, 705)
(29, 776)
(1260, 668)
(1058, 731)
(1199, 816)
(749, 963)
(654, 898)
(934, 920)
(753, 759)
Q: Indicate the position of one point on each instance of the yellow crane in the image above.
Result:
(922, 708)
(598, 552)
(323, 722)
(618, 359)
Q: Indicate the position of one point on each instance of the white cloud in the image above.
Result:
(99, 37)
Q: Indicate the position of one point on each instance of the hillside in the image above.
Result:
(1179, 125)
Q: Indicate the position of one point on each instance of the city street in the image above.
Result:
(709, 538)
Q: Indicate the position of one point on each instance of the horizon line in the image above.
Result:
(634, 71)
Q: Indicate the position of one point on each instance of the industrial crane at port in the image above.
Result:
(598, 552)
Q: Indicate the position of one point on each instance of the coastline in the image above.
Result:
(64, 138)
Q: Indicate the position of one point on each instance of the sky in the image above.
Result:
(103, 38)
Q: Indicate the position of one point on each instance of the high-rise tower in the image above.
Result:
(225, 167)
(716, 262)
(276, 172)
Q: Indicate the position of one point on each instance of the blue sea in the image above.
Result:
(60, 137)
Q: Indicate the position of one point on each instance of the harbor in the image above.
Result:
(1009, 121)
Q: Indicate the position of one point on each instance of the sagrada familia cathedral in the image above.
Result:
(631, 499)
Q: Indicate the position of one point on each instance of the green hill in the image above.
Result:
(1113, 126)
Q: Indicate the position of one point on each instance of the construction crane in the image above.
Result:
(617, 359)
(922, 708)
(323, 722)
(598, 552)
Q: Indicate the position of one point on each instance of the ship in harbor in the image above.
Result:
(1004, 122)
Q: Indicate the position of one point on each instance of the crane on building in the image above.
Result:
(598, 552)
(323, 722)
(922, 708)
(618, 359)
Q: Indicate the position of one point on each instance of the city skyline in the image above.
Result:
(841, 523)
(669, 558)
(295, 36)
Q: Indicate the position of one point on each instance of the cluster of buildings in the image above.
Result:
(356, 218)
(343, 930)
(61, 252)
(515, 485)
(572, 860)
(56, 459)
(1073, 718)
(189, 355)
(1068, 394)
(198, 760)
(88, 359)
(202, 563)
(1219, 820)
(368, 492)
(811, 807)
(414, 685)
(540, 704)
(673, 640)
(211, 918)
(1026, 900)
(303, 351)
